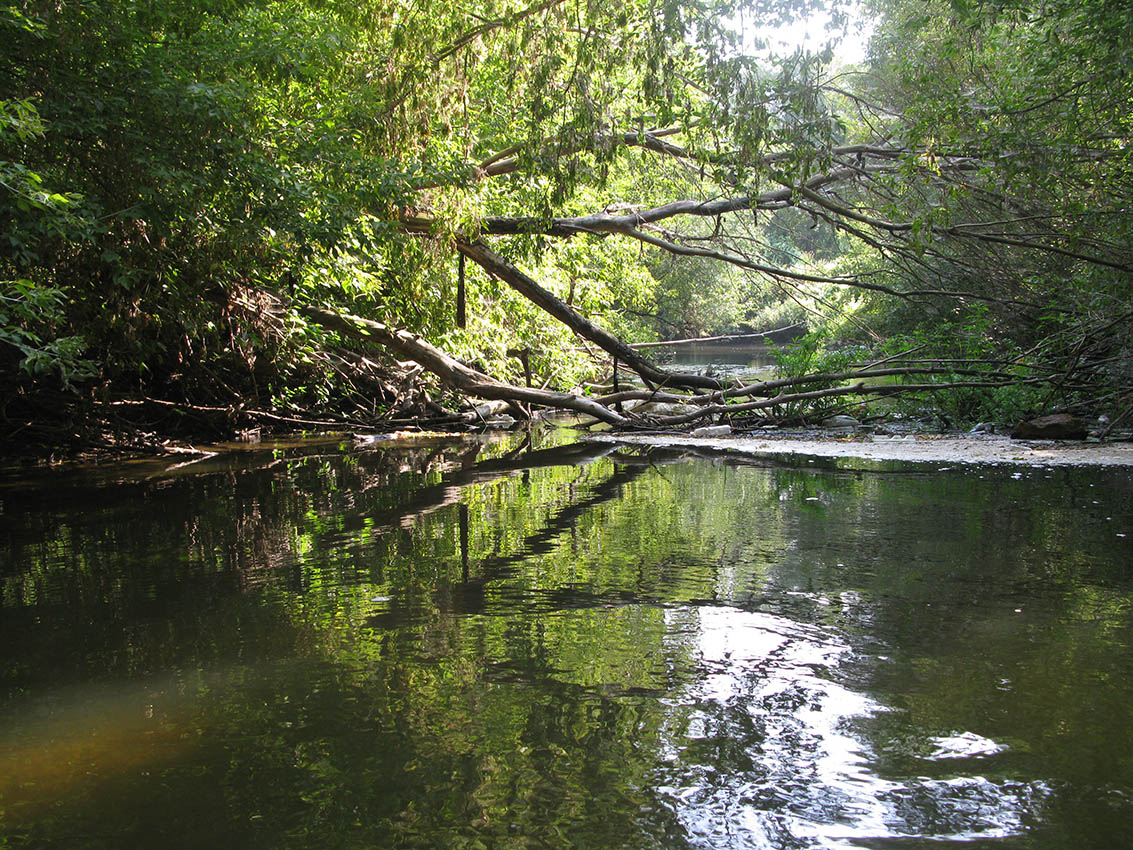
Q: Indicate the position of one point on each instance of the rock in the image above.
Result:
(367, 439)
(840, 421)
(712, 431)
(1056, 426)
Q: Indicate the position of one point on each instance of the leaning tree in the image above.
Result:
(238, 205)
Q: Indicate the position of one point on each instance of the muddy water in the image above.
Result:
(505, 645)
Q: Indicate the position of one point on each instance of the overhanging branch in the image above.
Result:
(500, 268)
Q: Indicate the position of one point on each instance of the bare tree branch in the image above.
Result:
(498, 267)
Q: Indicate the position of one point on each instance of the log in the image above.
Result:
(454, 373)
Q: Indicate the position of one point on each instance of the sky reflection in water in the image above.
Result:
(802, 778)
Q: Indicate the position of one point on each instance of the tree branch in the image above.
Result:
(498, 267)
(451, 371)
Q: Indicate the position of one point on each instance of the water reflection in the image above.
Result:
(767, 757)
(513, 644)
(745, 360)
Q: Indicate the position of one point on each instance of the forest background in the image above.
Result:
(220, 215)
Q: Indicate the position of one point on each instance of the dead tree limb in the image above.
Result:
(785, 398)
(717, 409)
(765, 388)
(454, 373)
(498, 267)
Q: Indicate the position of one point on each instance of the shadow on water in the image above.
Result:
(494, 644)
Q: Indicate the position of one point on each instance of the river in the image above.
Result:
(546, 643)
(747, 361)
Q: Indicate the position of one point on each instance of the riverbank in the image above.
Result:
(929, 448)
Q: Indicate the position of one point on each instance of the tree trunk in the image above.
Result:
(451, 371)
(498, 267)
(706, 339)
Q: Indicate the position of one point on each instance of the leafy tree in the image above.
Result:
(184, 183)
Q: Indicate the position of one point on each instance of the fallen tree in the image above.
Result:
(288, 189)
(725, 404)
(705, 340)
(704, 397)
(496, 266)
(455, 374)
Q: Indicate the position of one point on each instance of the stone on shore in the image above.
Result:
(712, 431)
(1056, 426)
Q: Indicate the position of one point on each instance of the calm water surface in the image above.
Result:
(744, 360)
(507, 645)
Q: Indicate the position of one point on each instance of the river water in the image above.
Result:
(747, 361)
(473, 644)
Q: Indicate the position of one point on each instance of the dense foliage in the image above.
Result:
(178, 178)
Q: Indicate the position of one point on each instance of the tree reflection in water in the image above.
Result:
(500, 645)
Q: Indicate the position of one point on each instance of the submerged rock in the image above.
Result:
(964, 745)
(1056, 426)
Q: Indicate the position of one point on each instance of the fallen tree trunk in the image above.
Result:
(473, 382)
(454, 373)
(500, 268)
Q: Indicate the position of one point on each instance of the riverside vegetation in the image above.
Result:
(219, 216)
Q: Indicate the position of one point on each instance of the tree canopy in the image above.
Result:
(186, 187)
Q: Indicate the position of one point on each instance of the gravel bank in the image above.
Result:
(942, 448)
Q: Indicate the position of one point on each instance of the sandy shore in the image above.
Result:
(931, 448)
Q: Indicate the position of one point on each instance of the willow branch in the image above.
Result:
(488, 26)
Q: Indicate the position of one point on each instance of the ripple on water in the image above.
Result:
(762, 755)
